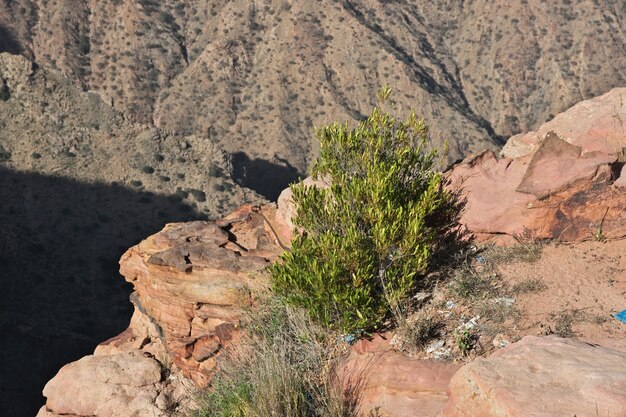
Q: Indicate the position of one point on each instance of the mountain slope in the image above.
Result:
(256, 77)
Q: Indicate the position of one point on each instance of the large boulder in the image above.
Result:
(393, 384)
(541, 377)
(112, 385)
(570, 190)
(596, 124)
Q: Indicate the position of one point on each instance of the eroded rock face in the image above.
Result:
(118, 384)
(596, 125)
(191, 282)
(556, 189)
(394, 384)
(541, 377)
(192, 279)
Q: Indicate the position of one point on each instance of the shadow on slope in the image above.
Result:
(8, 43)
(60, 292)
(265, 177)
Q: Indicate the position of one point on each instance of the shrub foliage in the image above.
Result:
(368, 240)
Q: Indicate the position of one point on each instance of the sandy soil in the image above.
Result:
(585, 285)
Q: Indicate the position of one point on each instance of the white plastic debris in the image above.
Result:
(470, 324)
(508, 302)
(436, 345)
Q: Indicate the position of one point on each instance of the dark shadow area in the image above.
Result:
(8, 43)
(265, 177)
(60, 290)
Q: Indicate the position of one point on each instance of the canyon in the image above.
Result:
(120, 116)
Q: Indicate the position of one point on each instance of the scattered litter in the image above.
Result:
(480, 259)
(508, 302)
(450, 304)
(621, 316)
(436, 345)
(470, 324)
(443, 353)
(501, 341)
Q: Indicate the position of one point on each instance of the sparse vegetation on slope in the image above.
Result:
(257, 76)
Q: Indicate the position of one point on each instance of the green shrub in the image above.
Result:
(368, 240)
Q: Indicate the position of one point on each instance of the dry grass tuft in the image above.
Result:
(286, 366)
(529, 285)
(414, 332)
(468, 283)
(527, 249)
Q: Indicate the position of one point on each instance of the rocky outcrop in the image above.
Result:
(121, 384)
(541, 377)
(596, 125)
(393, 384)
(566, 187)
(191, 282)
(287, 209)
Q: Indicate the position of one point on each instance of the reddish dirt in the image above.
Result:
(585, 281)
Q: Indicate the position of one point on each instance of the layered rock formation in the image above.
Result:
(566, 185)
(191, 282)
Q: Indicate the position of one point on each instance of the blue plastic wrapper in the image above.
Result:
(350, 338)
(621, 316)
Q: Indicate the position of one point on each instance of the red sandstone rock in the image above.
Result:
(488, 185)
(394, 384)
(559, 192)
(191, 282)
(541, 377)
(598, 124)
(563, 182)
(556, 165)
(205, 347)
(112, 385)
